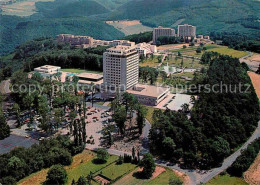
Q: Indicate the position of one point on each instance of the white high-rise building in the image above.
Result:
(120, 69)
(186, 31)
(160, 31)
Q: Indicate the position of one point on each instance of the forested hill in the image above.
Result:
(208, 15)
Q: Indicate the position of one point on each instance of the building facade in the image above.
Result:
(145, 49)
(186, 31)
(160, 31)
(120, 69)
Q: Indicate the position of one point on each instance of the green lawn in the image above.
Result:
(79, 71)
(149, 62)
(85, 168)
(226, 180)
(187, 62)
(224, 50)
(163, 178)
(114, 171)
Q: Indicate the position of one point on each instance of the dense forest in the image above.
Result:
(221, 119)
(87, 17)
(237, 41)
(44, 51)
(244, 161)
(207, 15)
(21, 162)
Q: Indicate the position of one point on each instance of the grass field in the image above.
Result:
(129, 27)
(150, 62)
(113, 171)
(79, 71)
(224, 50)
(82, 165)
(79, 160)
(23, 8)
(226, 180)
(162, 179)
(187, 62)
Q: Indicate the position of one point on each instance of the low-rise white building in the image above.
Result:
(47, 70)
(145, 49)
(148, 94)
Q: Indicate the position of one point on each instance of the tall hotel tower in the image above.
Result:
(120, 69)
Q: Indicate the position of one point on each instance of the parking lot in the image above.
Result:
(14, 141)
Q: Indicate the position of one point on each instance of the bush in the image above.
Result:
(127, 158)
(148, 165)
(102, 155)
(8, 181)
(57, 175)
(82, 181)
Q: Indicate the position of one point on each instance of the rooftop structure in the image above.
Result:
(122, 43)
(145, 49)
(47, 70)
(148, 94)
(160, 31)
(186, 31)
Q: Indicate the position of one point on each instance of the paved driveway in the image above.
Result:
(14, 141)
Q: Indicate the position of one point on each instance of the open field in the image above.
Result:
(161, 179)
(255, 78)
(224, 50)
(150, 62)
(172, 46)
(149, 115)
(79, 71)
(23, 8)
(187, 62)
(129, 27)
(252, 175)
(114, 171)
(226, 180)
(82, 165)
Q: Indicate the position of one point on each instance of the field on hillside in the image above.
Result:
(161, 179)
(224, 50)
(82, 165)
(129, 27)
(226, 180)
(23, 8)
(252, 175)
(255, 78)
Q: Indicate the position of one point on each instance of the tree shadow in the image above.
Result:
(139, 175)
(98, 161)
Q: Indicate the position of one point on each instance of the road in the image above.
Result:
(195, 176)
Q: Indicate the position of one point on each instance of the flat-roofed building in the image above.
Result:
(75, 40)
(145, 49)
(148, 94)
(161, 31)
(185, 31)
(122, 43)
(120, 69)
(89, 78)
(47, 70)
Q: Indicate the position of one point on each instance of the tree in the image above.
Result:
(198, 50)
(120, 118)
(17, 110)
(173, 181)
(169, 146)
(258, 70)
(184, 46)
(179, 54)
(82, 181)
(148, 165)
(4, 127)
(141, 114)
(102, 155)
(57, 175)
(58, 116)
